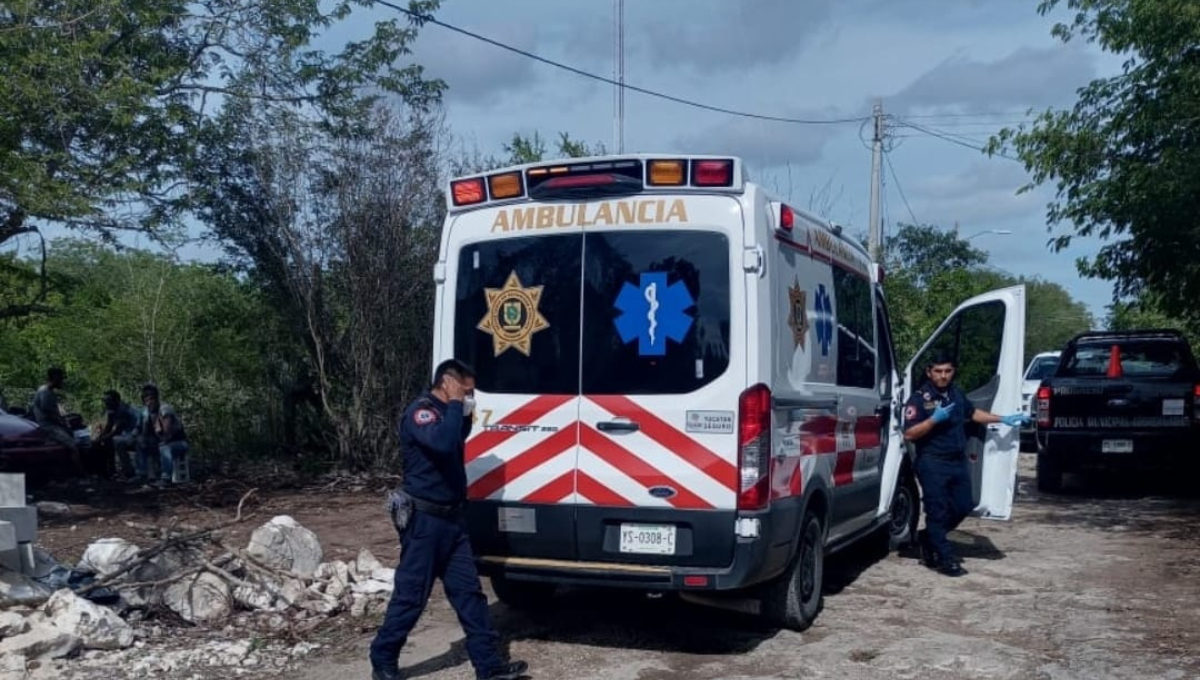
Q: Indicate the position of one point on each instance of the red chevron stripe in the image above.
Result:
(843, 469)
(527, 414)
(711, 464)
(641, 471)
(524, 462)
(818, 436)
(866, 432)
(599, 494)
(555, 491)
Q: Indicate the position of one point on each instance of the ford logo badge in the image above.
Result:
(662, 491)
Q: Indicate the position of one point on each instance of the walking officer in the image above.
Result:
(428, 514)
(935, 419)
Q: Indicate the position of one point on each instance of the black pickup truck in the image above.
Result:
(1119, 400)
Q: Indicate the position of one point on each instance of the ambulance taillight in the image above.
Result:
(711, 173)
(787, 217)
(467, 191)
(754, 448)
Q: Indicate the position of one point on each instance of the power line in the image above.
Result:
(896, 180)
(425, 18)
(955, 139)
(972, 114)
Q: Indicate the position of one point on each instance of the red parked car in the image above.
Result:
(24, 447)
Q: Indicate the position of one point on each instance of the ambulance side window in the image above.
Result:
(973, 338)
(886, 358)
(856, 330)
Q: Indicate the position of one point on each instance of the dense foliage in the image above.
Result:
(1125, 160)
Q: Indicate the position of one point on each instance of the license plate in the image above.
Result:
(1117, 446)
(648, 539)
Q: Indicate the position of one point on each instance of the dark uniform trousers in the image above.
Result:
(434, 547)
(946, 491)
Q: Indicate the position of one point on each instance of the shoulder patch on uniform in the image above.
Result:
(910, 412)
(424, 416)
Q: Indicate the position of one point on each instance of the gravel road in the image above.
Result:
(1102, 582)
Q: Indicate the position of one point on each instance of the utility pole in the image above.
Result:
(619, 75)
(875, 239)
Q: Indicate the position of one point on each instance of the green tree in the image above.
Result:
(1125, 160)
(923, 251)
(931, 272)
(104, 100)
(121, 319)
(1144, 313)
(520, 150)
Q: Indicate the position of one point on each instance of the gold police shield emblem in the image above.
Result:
(512, 316)
(798, 313)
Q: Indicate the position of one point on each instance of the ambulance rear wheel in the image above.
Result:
(794, 600)
(522, 594)
(905, 513)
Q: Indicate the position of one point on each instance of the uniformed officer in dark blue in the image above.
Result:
(429, 517)
(935, 419)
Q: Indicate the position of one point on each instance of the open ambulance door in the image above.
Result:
(986, 336)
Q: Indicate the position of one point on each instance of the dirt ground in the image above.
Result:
(1101, 582)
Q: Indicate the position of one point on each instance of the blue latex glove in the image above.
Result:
(942, 413)
(1015, 420)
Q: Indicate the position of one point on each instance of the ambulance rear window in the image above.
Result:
(516, 313)
(656, 311)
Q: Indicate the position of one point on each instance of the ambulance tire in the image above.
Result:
(905, 512)
(795, 598)
(523, 594)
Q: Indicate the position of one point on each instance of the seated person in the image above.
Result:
(165, 425)
(119, 433)
(48, 415)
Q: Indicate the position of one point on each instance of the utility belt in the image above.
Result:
(401, 506)
(437, 509)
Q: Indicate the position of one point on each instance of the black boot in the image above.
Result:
(929, 557)
(952, 568)
(509, 671)
(385, 673)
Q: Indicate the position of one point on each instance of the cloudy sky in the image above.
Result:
(955, 68)
(961, 68)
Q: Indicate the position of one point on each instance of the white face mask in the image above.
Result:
(468, 405)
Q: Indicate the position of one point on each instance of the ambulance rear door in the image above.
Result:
(511, 310)
(663, 365)
(986, 337)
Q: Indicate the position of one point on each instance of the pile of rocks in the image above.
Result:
(280, 572)
(278, 582)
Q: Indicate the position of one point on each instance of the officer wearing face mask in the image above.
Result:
(428, 515)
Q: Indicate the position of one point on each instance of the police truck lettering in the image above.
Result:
(1103, 422)
(609, 213)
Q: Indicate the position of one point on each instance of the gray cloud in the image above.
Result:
(476, 72)
(1029, 76)
(762, 144)
(707, 35)
(984, 192)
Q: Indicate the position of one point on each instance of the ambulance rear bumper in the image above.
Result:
(754, 560)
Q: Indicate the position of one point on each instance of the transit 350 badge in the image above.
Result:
(512, 315)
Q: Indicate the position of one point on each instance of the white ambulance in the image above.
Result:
(686, 385)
